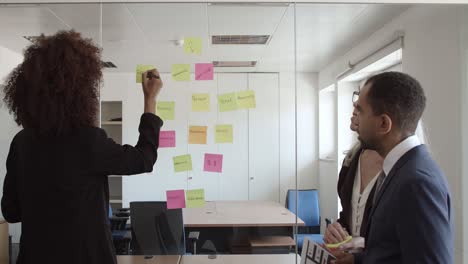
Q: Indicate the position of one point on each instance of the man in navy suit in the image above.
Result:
(411, 219)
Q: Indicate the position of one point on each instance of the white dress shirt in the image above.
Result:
(398, 151)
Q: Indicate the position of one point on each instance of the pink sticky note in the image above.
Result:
(175, 199)
(213, 163)
(203, 71)
(167, 139)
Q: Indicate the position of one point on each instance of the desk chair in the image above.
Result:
(121, 237)
(309, 211)
(157, 230)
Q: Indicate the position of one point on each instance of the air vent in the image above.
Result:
(108, 64)
(240, 39)
(234, 63)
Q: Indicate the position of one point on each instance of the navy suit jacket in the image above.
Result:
(411, 220)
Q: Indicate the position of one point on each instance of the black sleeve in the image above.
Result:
(10, 202)
(115, 159)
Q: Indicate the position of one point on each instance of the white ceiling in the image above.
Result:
(143, 33)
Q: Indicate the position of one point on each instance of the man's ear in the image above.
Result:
(385, 124)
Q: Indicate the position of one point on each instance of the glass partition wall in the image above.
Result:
(256, 105)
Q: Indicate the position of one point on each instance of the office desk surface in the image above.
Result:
(240, 214)
(242, 259)
(154, 260)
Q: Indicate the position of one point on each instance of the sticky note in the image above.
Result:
(223, 134)
(181, 72)
(182, 163)
(213, 163)
(227, 102)
(201, 102)
(204, 71)
(165, 110)
(140, 69)
(167, 139)
(193, 46)
(197, 134)
(348, 238)
(246, 99)
(175, 199)
(195, 198)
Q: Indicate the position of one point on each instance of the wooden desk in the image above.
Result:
(4, 242)
(142, 260)
(242, 259)
(240, 214)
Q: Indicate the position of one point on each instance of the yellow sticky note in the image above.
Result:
(348, 238)
(193, 46)
(227, 102)
(223, 134)
(201, 102)
(165, 110)
(197, 134)
(140, 69)
(181, 72)
(182, 163)
(195, 198)
(246, 99)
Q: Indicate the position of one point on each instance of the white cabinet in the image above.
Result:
(264, 138)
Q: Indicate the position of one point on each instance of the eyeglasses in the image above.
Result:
(356, 96)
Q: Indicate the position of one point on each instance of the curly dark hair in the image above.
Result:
(56, 88)
(400, 96)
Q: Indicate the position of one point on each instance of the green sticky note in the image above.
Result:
(165, 110)
(246, 99)
(195, 198)
(193, 46)
(223, 134)
(181, 72)
(182, 163)
(201, 102)
(227, 102)
(140, 69)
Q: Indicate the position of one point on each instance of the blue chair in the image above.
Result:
(309, 211)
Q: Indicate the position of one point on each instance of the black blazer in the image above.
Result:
(345, 192)
(411, 221)
(57, 188)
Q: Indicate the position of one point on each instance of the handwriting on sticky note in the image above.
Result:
(140, 69)
(213, 163)
(197, 134)
(227, 102)
(193, 46)
(201, 102)
(166, 110)
(204, 71)
(182, 163)
(223, 134)
(246, 99)
(195, 198)
(175, 199)
(167, 139)
(181, 72)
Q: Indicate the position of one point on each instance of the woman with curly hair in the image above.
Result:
(57, 167)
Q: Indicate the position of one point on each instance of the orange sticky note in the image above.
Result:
(197, 134)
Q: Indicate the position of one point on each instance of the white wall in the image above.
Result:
(8, 61)
(432, 55)
(277, 89)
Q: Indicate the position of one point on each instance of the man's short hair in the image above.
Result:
(398, 95)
